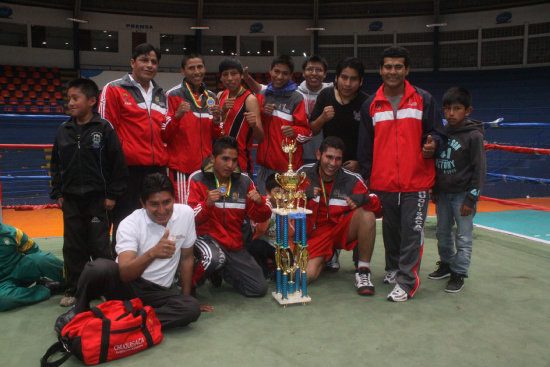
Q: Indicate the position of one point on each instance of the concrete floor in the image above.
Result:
(501, 318)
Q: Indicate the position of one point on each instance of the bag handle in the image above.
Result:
(145, 330)
(55, 348)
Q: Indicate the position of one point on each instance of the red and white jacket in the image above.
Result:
(390, 145)
(189, 138)
(137, 127)
(225, 221)
(346, 184)
(235, 125)
(289, 111)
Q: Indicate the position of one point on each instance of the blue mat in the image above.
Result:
(532, 224)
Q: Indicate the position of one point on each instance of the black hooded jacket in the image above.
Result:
(461, 165)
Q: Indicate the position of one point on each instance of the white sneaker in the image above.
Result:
(362, 282)
(397, 294)
(389, 278)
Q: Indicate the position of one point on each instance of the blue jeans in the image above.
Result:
(454, 249)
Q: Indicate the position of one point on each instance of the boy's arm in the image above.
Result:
(119, 170)
(198, 200)
(479, 167)
(258, 208)
(302, 131)
(253, 117)
(252, 84)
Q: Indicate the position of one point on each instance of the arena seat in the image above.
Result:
(16, 81)
(43, 69)
(27, 101)
(43, 82)
(21, 109)
(20, 68)
(31, 81)
(18, 94)
(37, 88)
(22, 74)
(49, 76)
(50, 88)
(55, 70)
(45, 95)
(58, 95)
(10, 87)
(24, 88)
(39, 102)
(32, 94)
(56, 82)
(34, 109)
(36, 75)
(13, 101)
(3, 80)
(5, 93)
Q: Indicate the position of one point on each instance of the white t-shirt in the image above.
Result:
(138, 233)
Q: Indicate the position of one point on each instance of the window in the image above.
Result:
(293, 46)
(256, 46)
(105, 41)
(13, 34)
(177, 44)
(219, 45)
(52, 37)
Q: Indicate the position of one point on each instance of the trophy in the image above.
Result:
(291, 275)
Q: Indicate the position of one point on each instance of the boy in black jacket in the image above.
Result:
(89, 173)
(460, 172)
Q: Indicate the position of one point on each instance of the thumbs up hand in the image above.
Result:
(165, 248)
(428, 149)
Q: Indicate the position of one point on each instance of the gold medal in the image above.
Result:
(210, 102)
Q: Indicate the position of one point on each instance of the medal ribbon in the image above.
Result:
(195, 100)
(228, 187)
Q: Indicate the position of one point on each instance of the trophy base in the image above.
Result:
(294, 299)
(291, 212)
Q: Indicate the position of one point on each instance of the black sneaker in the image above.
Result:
(333, 265)
(63, 320)
(55, 287)
(455, 284)
(443, 271)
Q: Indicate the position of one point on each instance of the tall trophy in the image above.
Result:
(291, 275)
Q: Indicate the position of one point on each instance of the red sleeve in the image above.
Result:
(370, 202)
(197, 201)
(258, 212)
(109, 106)
(171, 125)
(301, 126)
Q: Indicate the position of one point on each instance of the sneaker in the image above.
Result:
(455, 284)
(333, 265)
(389, 278)
(443, 271)
(362, 282)
(63, 320)
(397, 294)
(55, 287)
(67, 301)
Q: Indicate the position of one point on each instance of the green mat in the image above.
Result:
(501, 318)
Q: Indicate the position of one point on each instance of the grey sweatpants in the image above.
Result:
(403, 232)
(237, 268)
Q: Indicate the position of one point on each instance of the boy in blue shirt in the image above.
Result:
(460, 173)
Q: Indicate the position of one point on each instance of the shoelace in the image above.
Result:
(364, 278)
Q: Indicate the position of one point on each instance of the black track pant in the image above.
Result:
(86, 226)
(102, 278)
(403, 232)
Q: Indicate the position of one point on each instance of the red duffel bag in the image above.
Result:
(112, 330)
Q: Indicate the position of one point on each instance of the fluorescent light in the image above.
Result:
(436, 25)
(315, 28)
(200, 27)
(76, 20)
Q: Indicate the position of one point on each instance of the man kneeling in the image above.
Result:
(152, 244)
(343, 213)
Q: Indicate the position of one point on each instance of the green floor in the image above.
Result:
(501, 318)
